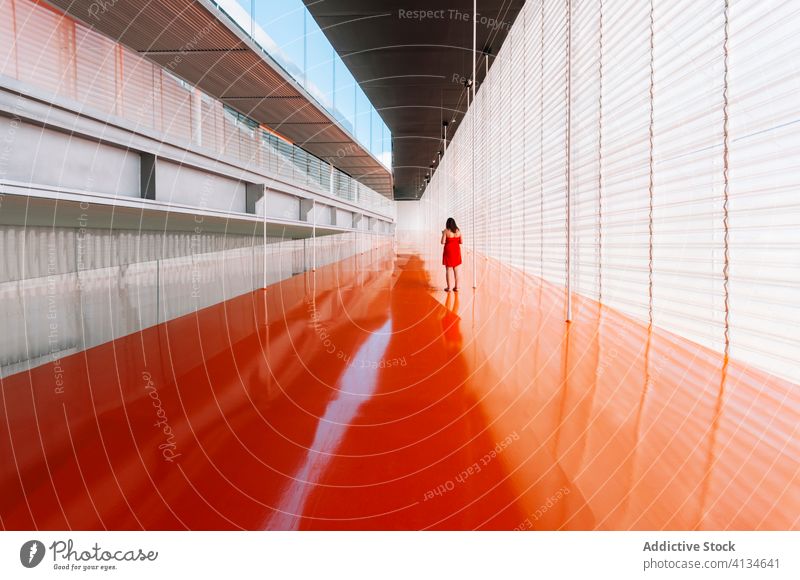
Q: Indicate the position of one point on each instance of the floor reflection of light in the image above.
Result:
(356, 385)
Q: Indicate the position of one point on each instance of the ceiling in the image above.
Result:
(412, 58)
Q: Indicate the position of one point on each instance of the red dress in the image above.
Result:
(451, 257)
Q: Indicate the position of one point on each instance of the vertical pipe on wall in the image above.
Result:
(472, 124)
(726, 183)
(569, 130)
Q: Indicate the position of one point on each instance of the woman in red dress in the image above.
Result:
(451, 257)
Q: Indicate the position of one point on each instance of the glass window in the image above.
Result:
(284, 22)
(344, 96)
(319, 61)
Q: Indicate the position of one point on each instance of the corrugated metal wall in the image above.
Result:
(646, 153)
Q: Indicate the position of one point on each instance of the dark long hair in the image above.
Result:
(451, 225)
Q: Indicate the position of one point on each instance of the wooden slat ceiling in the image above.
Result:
(196, 42)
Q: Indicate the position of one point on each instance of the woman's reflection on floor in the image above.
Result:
(451, 323)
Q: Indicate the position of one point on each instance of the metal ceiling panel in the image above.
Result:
(411, 57)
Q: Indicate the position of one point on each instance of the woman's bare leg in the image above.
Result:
(447, 275)
(455, 274)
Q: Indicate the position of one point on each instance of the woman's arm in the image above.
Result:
(444, 236)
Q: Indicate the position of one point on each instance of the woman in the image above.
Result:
(451, 257)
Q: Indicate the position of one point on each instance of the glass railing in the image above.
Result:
(252, 144)
(287, 32)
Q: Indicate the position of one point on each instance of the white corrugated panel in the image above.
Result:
(626, 154)
(514, 197)
(554, 125)
(764, 191)
(501, 149)
(95, 70)
(533, 204)
(688, 239)
(585, 74)
(492, 91)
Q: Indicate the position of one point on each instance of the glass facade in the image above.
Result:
(286, 31)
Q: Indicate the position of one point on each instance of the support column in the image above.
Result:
(314, 236)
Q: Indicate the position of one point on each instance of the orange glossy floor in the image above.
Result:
(370, 399)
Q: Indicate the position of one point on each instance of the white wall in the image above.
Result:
(34, 154)
(647, 159)
(409, 216)
(183, 184)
